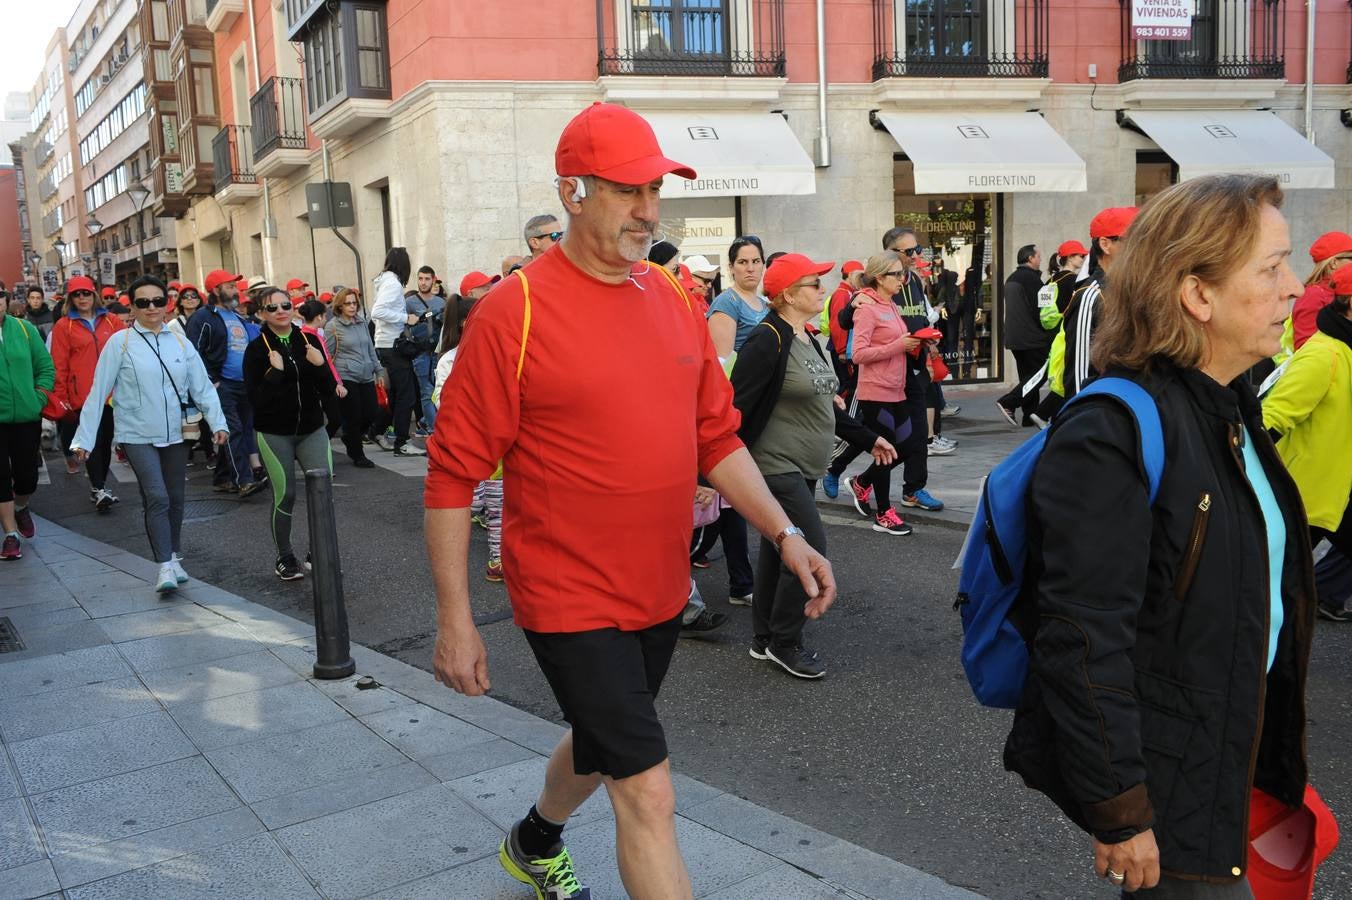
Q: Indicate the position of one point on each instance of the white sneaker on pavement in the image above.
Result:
(179, 575)
(167, 581)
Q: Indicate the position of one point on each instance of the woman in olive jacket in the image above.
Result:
(784, 385)
(1172, 642)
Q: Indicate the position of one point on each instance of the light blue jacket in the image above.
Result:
(146, 408)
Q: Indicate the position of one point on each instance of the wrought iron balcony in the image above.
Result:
(278, 114)
(960, 38)
(691, 37)
(232, 153)
(1230, 39)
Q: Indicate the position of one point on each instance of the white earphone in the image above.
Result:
(579, 188)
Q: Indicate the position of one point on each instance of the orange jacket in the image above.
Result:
(76, 345)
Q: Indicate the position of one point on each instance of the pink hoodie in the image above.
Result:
(879, 351)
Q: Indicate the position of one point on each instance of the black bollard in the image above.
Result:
(333, 653)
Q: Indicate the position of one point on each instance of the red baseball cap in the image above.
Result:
(1330, 245)
(1341, 282)
(1112, 222)
(473, 280)
(851, 266)
(326, 297)
(218, 277)
(182, 288)
(789, 268)
(80, 283)
(175, 286)
(613, 143)
(107, 292)
(1073, 248)
(295, 283)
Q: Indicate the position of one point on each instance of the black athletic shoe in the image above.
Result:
(706, 621)
(288, 569)
(363, 463)
(248, 490)
(797, 661)
(1335, 614)
(759, 646)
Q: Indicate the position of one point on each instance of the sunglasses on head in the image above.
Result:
(159, 302)
(274, 307)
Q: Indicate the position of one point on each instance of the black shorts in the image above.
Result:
(606, 682)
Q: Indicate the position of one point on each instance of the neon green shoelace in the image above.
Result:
(559, 871)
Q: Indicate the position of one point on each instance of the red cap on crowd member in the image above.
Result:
(326, 298)
(175, 286)
(614, 143)
(473, 280)
(1112, 222)
(80, 283)
(295, 283)
(1329, 245)
(851, 266)
(1341, 282)
(107, 292)
(1073, 248)
(790, 267)
(242, 284)
(218, 277)
(189, 287)
(124, 299)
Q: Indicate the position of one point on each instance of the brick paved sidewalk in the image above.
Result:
(179, 749)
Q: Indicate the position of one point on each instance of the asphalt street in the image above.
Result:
(888, 751)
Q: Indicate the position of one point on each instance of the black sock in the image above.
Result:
(537, 835)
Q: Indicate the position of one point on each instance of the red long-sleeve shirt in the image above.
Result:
(620, 403)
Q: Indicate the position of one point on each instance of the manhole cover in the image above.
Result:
(207, 509)
(10, 642)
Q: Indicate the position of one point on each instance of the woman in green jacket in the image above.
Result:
(1310, 409)
(26, 379)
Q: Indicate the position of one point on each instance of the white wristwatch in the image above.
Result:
(785, 534)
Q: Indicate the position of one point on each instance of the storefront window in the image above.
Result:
(1155, 171)
(701, 225)
(957, 239)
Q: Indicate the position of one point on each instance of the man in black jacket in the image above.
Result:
(220, 336)
(1024, 335)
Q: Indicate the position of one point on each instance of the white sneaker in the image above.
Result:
(167, 580)
(940, 449)
(179, 575)
(102, 499)
(409, 450)
(945, 441)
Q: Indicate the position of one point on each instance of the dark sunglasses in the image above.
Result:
(274, 307)
(159, 302)
(701, 278)
(552, 235)
(895, 273)
(74, 294)
(911, 251)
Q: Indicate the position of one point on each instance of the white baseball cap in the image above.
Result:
(700, 265)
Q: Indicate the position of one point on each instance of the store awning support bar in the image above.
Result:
(821, 147)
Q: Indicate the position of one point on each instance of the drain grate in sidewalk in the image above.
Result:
(10, 642)
(207, 509)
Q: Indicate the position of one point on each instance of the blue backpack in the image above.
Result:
(994, 556)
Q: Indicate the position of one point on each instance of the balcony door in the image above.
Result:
(1199, 56)
(696, 33)
(954, 37)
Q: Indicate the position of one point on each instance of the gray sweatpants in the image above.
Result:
(280, 452)
(162, 477)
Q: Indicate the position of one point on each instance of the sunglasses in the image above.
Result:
(159, 302)
(274, 307)
(814, 283)
(552, 235)
(701, 279)
(895, 273)
(911, 251)
(74, 294)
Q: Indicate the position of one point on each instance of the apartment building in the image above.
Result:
(51, 179)
(983, 125)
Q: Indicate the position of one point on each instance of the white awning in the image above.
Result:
(1235, 141)
(985, 152)
(735, 154)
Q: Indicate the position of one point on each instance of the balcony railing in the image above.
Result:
(691, 37)
(278, 114)
(963, 39)
(1230, 39)
(232, 153)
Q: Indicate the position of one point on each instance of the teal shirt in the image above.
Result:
(1275, 525)
(731, 304)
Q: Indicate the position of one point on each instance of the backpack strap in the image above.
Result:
(676, 284)
(1147, 415)
(525, 322)
(778, 340)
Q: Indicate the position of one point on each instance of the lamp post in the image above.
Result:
(139, 194)
(59, 246)
(94, 226)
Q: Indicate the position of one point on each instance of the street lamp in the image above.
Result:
(59, 246)
(139, 194)
(94, 226)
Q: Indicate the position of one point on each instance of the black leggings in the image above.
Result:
(360, 410)
(404, 393)
(892, 421)
(20, 457)
(100, 455)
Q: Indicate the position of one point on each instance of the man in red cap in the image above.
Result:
(474, 285)
(592, 446)
(296, 288)
(1106, 232)
(220, 335)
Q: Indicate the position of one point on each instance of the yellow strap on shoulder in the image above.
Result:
(525, 323)
(676, 284)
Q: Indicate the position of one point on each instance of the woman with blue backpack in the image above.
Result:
(1167, 593)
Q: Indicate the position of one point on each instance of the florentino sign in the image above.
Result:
(1161, 20)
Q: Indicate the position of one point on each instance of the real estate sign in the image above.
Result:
(1162, 20)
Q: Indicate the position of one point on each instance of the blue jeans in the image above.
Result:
(232, 466)
(425, 368)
